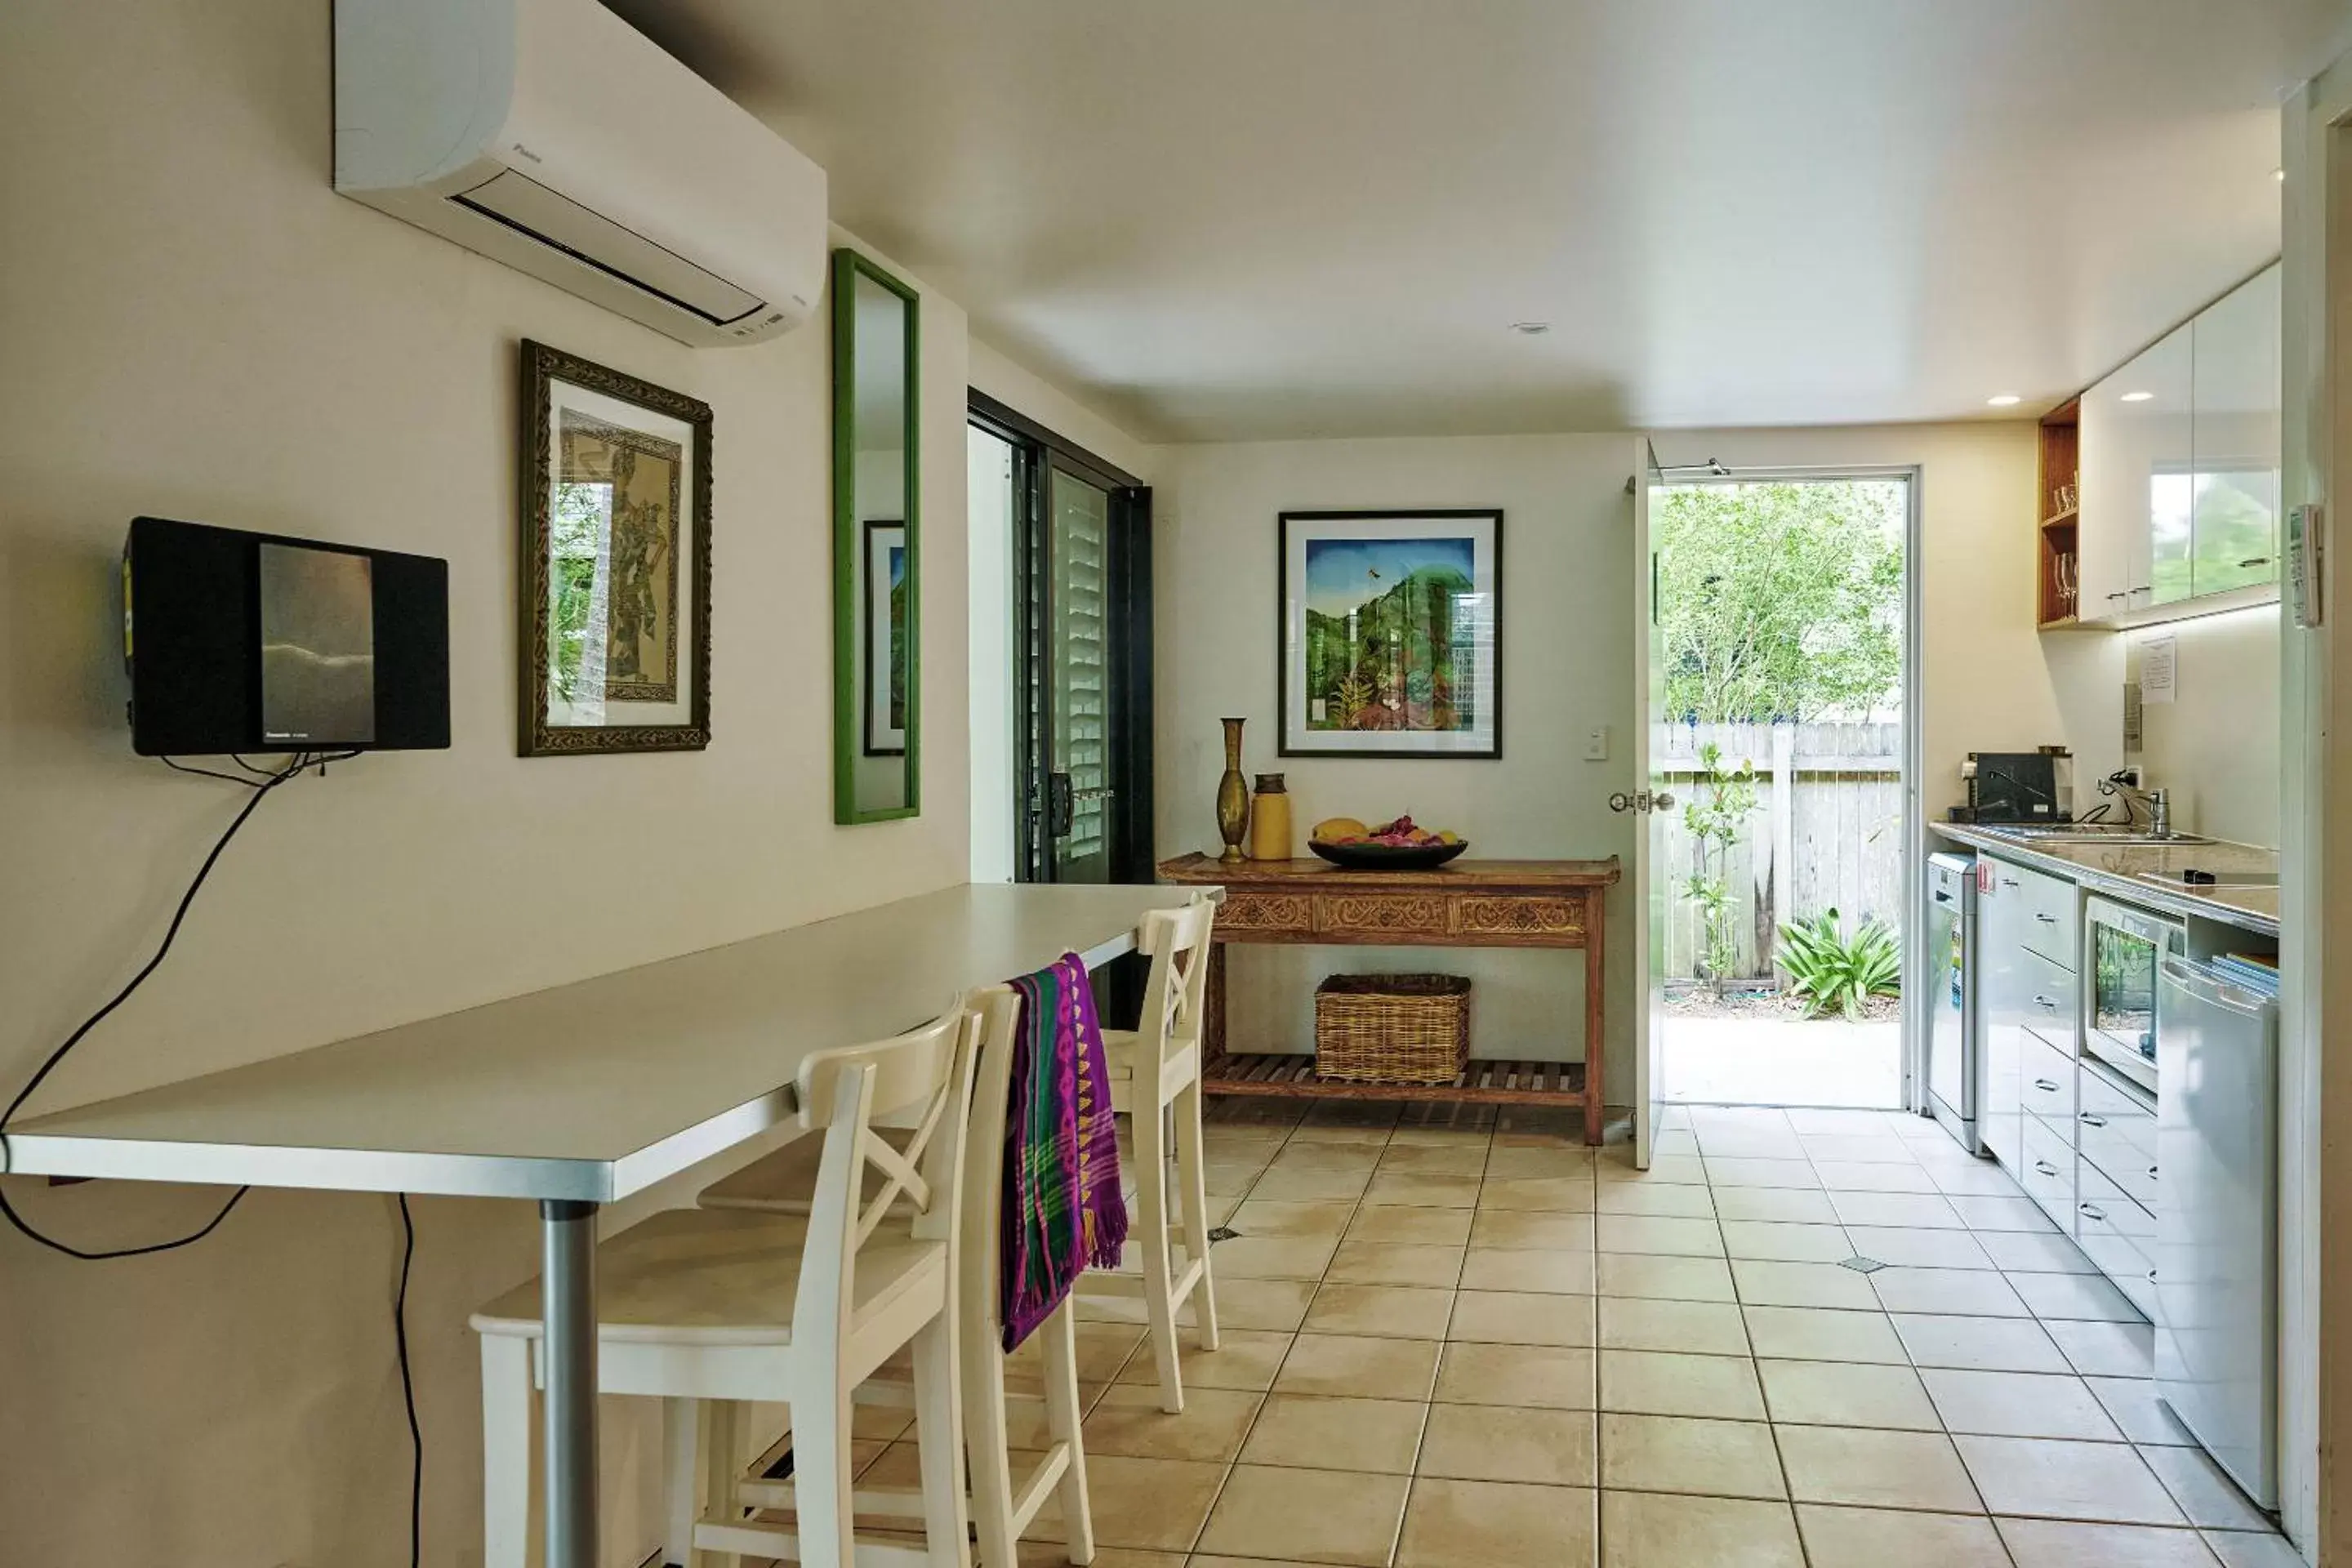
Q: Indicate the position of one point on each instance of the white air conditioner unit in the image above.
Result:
(553, 136)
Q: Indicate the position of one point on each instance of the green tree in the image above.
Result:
(1779, 602)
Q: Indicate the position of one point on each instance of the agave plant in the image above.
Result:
(1837, 975)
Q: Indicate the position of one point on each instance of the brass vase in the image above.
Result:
(1233, 795)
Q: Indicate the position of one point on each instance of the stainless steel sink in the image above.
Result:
(2095, 833)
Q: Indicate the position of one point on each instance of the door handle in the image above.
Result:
(2045, 1086)
(1061, 807)
(2053, 1006)
(2045, 1167)
(2257, 561)
(2045, 920)
(2093, 1212)
(2091, 1121)
(1641, 801)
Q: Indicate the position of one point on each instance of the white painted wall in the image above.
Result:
(1566, 630)
(2216, 746)
(195, 325)
(1073, 419)
(1991, 682)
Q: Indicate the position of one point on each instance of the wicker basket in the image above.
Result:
(1392, 1028)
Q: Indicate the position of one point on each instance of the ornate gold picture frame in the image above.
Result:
(615, 569)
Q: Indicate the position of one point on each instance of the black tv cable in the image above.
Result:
(260, 784)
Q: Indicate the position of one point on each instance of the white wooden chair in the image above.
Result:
(1155, 1073)
(711, 1309)
(1003, 1505)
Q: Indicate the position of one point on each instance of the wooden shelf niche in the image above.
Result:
(2058, 547)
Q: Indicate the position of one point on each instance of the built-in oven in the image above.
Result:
(2123, 951)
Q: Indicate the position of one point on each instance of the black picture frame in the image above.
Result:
(882, 666)
(1487, 555)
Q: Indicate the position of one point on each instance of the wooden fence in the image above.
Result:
(1827, 832)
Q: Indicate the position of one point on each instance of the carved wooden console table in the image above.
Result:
(1470, 903)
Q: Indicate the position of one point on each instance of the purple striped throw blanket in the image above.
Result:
(1063, 1208)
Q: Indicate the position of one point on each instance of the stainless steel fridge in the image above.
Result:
(1955, 1020)
(2217, 1218)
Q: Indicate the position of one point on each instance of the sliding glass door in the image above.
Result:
(1081, 646)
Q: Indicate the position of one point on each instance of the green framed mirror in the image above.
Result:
(876, 544)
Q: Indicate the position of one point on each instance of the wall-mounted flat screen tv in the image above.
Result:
(255, 642)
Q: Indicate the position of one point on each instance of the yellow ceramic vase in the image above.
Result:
(1270, 820)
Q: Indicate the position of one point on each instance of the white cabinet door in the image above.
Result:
(2136, 465)
(2158, 423)
(2003, 913)
(2108, 517)
(2234, 526)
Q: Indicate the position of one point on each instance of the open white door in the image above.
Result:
(1649, 802)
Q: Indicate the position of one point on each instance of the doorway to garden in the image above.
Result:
(1784, 609)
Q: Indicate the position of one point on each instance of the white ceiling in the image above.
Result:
(1236, 218)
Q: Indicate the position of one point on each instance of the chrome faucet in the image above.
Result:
(2158, 803)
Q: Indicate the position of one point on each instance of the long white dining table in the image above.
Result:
(583, 1094)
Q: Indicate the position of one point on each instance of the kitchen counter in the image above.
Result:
(2122, 872)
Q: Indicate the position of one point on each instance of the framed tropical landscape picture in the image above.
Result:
(1391, 643)
(886, 639)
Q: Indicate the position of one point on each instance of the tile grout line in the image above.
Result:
(1360, 1204)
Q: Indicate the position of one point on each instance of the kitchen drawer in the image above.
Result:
(2048, 1173)
(2051, 915)
(2046, 1082)
(2049, 996)
(2115, 1129)
(2119, 1235)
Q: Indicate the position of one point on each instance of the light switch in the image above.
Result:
(1596, 744)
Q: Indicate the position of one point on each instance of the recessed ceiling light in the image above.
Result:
(2003, 400)
(2137, 396)
(1531, 329)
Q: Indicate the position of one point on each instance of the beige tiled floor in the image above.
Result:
(1455, 1341)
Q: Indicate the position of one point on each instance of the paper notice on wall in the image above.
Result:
(2157, 669)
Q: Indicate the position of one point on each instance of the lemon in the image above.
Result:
(1340, 829)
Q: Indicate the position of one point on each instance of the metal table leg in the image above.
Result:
(568, 1298)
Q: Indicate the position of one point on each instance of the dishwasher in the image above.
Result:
(1955, 1020)
(2217, 1223)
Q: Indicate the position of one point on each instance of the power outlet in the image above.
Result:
(1596, 744)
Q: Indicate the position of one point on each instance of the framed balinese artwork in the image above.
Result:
(615, 578)
(886, 639)
(1391, 634)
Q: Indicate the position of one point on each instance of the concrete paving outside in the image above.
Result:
(1783, 1061)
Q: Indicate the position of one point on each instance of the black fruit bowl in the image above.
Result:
(1387, 857)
